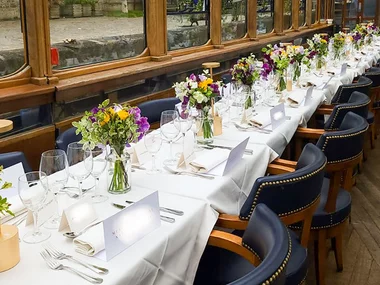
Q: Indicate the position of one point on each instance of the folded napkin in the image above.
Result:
(17, 208)
(296, 97)
(91, 242)
(261, 120)
(208, 160)
(316, 81)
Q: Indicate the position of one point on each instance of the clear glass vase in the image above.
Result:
(206, 135)
(281, 84)
(119, 172)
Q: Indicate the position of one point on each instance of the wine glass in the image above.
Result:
(54, 164)
(196, 127)
(170, 132)
(153, 142)
(183, 122)
(99, 157)
(80, 163)
(33, 191)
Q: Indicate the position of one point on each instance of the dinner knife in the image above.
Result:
(163, 218)
(163, 209)
(248, 151)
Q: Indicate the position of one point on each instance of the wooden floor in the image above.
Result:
(361, 245)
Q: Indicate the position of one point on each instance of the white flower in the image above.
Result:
(193, 84)
(199, 97)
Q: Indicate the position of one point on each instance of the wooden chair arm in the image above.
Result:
(275, 169)
(309, 133)
(285, 162)
(323, 111)
(231, 222)
(326, 106)
(232, 243)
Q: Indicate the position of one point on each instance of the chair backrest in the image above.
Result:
(153, 109)
(286, 194)
(267, 237)
(358, 104)
(346, 143)
(373, 74)
(344, 91)
(226, 78)
(66, 138)
(11, 158)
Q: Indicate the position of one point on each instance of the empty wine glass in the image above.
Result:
(170, 132)
(153, 142)
(183, 122)
(80, 163)
(33, 190)
(54, 164)
(99, 156)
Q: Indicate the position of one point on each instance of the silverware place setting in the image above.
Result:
(189, 173)
(77, 234)
(163, 218)
(55, 265)
(163, 209)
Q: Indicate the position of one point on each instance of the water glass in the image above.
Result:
(54, 164)
(170, 132)
(33, 191)
(80, 163)
(99, 157)
(153, 142)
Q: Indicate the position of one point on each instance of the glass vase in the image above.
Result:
(319, 63)
(206, 134)
(296, 71)
(119, 172)
(281, 84)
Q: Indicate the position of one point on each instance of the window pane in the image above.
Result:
(352, 9)
(323, 9)
(233, 19)
(188, 23)
(302, 13)
(96, 32)
(313, 11)
(11, 38)
(265, 16)
(287, 14)
(369, 8)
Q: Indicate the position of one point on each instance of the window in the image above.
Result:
(302, 13)
(11, 37)
(265, 16)
(313, 11)
(369, 10)
(91, 31)
(188, 23)
(234, 19)
(287, 14)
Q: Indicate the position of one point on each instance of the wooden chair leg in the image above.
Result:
(320, 257)
(347, 179)
(337, 245)
(373, 134)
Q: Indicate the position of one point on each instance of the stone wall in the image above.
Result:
(9, 9)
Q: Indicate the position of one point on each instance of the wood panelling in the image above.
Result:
(156, 28)
(251, 19)
(32, 143)
(279, 17)
(216, 22)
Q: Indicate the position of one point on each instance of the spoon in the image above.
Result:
(74, 234)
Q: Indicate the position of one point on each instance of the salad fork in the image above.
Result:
(60, 255)
(53, 264)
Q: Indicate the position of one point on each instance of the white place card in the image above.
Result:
(11, 174)
(308, 97)
(343, 69)
(130, 225)
(45, 213)
(359, 61)
(187, 155)
(277, 115)
(140, 154)
(78, 216)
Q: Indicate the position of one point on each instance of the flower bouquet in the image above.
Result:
(357, 39)
(318, 47)
(244, 75)
(4, 205)
(116, 126)
(199, 91)
(276, 59)
(297, 56)
(337, 43)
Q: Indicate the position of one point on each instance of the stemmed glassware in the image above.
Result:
(183, 122)
(33, 191)
(153, 142)
(99, 156)
(170, 132)
(54, 164)
(80, 163)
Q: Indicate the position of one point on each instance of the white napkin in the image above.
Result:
(17, 208)
(296, 97)
(209, 159)
(261, 120)
(316, 81)
(91, 242)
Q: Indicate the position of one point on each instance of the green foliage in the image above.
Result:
(130, 14)
(4, 205)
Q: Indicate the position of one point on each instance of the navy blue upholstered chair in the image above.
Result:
(259, 257)
(374, 74)
(66, 138)
(344, 91)
(343, 149)
(226, 78)
(11, 158)
(153, 109)
(285, 193)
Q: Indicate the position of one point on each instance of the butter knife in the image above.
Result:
(163, 209)
(248, 151)
(163, 218)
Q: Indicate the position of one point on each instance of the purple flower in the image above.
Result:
(136, 112)
(202, 77)
(92, 119)
(185, 100)
(215, 88)
(95, 110)
(193, 77)
(143, 126)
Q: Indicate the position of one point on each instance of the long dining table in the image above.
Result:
(171, 253)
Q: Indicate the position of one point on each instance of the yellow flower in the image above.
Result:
(323, 41)
(203, 84)
(105, 120)
(123, 114)
(111, 110)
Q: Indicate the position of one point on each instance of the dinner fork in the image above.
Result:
(53, 264)
(60, 255)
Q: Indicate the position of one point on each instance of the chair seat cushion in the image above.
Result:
(370, 118)
(219, 266)
(296, 270)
